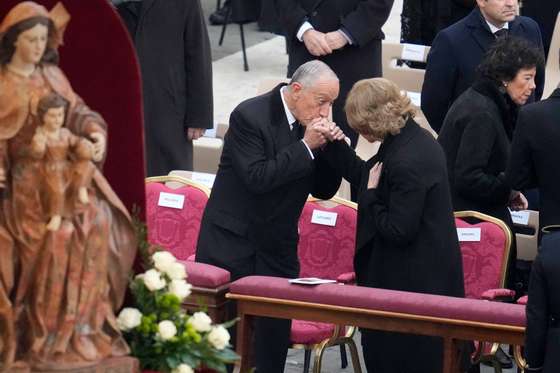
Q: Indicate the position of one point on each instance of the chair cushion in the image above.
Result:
(325, 251)
(175, 230)
(484, 261)
(310, 332)
(383, 300)
(523, 300)
(205, 275)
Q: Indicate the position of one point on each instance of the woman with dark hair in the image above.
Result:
(68, 282)
(406, 237)
(478, 129)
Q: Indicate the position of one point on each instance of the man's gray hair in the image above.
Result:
(310, 72)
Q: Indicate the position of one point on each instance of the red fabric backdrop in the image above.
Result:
(99, 59)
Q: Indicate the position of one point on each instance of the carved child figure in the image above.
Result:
(66, 158)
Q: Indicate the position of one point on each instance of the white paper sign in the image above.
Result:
(468, 234)
(415, 97)
(310, 281)
(204, 178)
(413, 52)
(172, 200)
(324, 218)
(520, 217)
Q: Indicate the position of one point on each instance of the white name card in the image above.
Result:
(415, 97)
(520, 217)
(413, 52)
(468, 234)
(324, 218)
(174, 201)
(204, 178)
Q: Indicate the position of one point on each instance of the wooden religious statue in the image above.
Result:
(66, 240)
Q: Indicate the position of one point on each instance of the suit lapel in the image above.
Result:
(279, 127)
(146, 6)
(479, 30)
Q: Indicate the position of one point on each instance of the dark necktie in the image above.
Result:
(501, 33)
(297, 131)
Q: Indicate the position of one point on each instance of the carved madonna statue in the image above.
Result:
(66, 240)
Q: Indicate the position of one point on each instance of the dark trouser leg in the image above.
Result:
(272, 340)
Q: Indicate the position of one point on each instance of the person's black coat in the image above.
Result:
(454, 56)
(263, 181)
(544, 13)
(542, 340)
(173, 49)
(535, 157)
(406, 236)
(361, 19)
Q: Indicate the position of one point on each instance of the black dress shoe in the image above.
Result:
(503, 359)
(219, 16)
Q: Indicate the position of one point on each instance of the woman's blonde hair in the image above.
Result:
(377, 107)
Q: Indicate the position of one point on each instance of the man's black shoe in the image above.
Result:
(219, 16)
(503, 359)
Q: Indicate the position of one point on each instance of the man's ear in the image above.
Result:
(296, 89)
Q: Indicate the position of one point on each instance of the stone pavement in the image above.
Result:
(268, 61)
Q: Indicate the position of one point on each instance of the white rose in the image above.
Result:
(153, 280)
(176, 271)
(163, 260)
(219, 337)
(183, 368)
(180, 288)
(129, 318)
(166, 330)
(200, 321)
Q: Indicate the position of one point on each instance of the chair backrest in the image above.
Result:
(201, 178)
(407, 78)
(326, 251)
(175, 228)
(206, 154)
(552, 73)
(485, 259)
(527, 244)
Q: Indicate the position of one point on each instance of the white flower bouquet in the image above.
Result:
(160, 334)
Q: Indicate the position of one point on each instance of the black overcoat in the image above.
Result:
(535, 158)
(173, 49)
(406, 235)
(361, 19)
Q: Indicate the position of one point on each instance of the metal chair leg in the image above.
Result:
(218, 4)
(306, 360)
(224, 26)
(319, 350)
(343, 358)
(355, 357)
(245, 64)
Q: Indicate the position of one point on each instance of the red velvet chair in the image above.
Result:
(326, 252)
(485, 266)
(175, 229)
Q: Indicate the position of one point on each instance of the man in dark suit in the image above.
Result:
(270, 163)
(345, 34)
(534, 159)
(542, 340)
(173, 49)
(458, 49)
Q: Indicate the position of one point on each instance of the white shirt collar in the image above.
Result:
(289, 116)
(493, 28)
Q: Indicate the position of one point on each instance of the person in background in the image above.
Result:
(173, 49)
(458, 50)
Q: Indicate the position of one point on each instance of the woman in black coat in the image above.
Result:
(478, 129)
(406, 238)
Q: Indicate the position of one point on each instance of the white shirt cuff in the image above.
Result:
(304, 27)
(308, 149)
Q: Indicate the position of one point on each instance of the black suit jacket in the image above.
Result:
(174, 53)
(542, 341)
(263, 181)
(535, 158)
(362, 21)
(454, 56)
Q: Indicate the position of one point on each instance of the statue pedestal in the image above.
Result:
(124, 364)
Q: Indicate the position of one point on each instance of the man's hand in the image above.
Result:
(314, 137)
(316, 43)
(335, 40)
(518, 201)
(99, 145)
(195, 133)
(374, 175)
(329, 129)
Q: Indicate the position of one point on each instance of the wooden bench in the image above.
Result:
(453, 319)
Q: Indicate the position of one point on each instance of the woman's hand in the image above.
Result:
(99, 145)
(374, 175)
